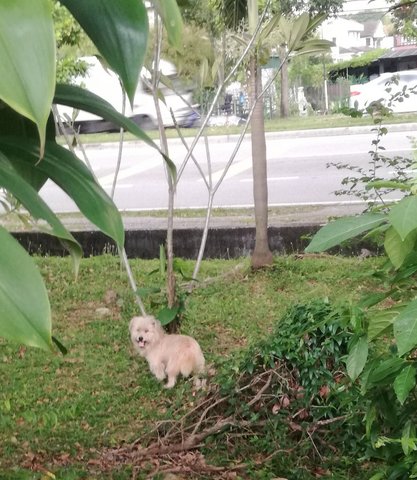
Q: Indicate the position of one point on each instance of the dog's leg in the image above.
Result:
(172, 378)
(158, 369)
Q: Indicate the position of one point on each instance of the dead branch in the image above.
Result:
(328, 421)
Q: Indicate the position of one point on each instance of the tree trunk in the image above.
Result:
(261, 255)
(285, 110)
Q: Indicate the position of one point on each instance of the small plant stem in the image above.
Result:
(204, 237)
(61, 128)
(77, 139)
(132, 281)
(120, 151)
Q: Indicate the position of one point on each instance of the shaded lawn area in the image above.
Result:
(58, 412)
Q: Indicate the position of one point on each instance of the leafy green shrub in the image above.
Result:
(309, 345)
(382, 354)
(295, 384)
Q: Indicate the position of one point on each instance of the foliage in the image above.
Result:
(194, 58)
(310, 343)
(68, 35)
(368, 183)
(29, 153)
(307, 70)
(314, 7)
(404, 13)
(308, 391)
(360, 61)
(384, 322)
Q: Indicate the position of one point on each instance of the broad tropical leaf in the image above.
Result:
(405, 328)
(29, 198)
(403, 216)
(119, 29)
(313, 45)
(269, 27)
(68, 172)
(294, 33)
(405, 382)
(27, 55)
(82, 99)
(167, 315)
(398, 249)
(358, 353)
(384, 372)
(381, 321)
(343, 229)
(12, 123)
(297, 30)
(25, 311)
(408, 438)
(171, 16)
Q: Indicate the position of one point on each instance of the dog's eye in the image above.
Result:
(146, 331)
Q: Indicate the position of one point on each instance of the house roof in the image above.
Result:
(356, 50)
(369, 28)
(400, 53)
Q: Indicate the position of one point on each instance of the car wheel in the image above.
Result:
(144, 122)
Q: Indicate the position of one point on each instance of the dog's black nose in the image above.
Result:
(140, 339)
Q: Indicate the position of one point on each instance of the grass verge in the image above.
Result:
(271, 125)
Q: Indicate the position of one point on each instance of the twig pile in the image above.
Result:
(257, 401)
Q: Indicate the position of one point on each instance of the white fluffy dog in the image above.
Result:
(167, 355)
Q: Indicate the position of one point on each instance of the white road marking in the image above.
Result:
(129, 172)
(119, 186)
(272, 179)
(234, 170)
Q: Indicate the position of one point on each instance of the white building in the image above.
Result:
(352, 38)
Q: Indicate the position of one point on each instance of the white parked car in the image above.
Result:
(361, 96)
(104, 82)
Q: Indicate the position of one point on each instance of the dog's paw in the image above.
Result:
(199, 384)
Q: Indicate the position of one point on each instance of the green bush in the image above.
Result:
(294, 383)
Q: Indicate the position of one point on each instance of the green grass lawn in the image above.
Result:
(58, 413)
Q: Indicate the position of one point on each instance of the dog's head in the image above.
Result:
(144, 332)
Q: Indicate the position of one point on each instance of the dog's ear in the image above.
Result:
(131, 323)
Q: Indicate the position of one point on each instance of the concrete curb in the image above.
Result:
(224, 243)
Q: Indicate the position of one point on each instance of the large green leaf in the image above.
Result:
(313, 45)
(67, 171)
(343, 229)
(356, 360)
(405, 382)
(25, 315)
(398, 249)
(403, 216)
(12, 123)
(82, 99)
(405, 328)
(28, 196)
(384, 372)
(171, 16)
(27, 57)
(297, 30)
(119, 29)
(381, 320)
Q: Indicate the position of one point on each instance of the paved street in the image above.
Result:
(297, 172)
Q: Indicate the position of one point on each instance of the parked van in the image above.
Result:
(105, 83)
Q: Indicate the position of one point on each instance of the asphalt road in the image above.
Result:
(297, 169)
